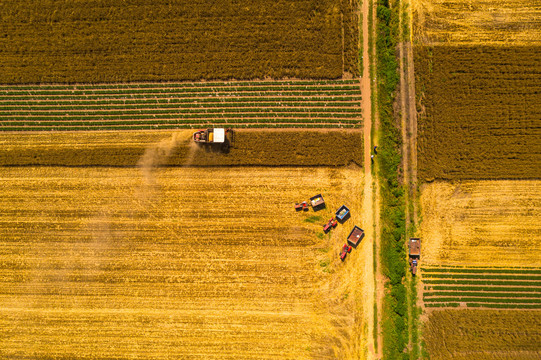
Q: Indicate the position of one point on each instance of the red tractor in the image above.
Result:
(301, 206)
(331, 224)
(345, 250)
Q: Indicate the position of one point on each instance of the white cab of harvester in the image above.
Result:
(219, 135)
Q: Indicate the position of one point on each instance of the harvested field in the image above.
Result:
(482, 223)
(192, 263)
(474, 287)
(480, 112)
(141, 40)
(483, 334)
(175, 148)
(508, 22)
(292, 103)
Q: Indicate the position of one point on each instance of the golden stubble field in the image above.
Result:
(508, 22)
(482, 223)
(192, 263)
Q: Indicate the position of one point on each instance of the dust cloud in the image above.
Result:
(158, 155)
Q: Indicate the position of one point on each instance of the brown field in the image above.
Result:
(192, 263)
(477, 22)
(483, 334)
(482, 223)
(111, 41)
(480, 112)
(478, 72)
(175, 148)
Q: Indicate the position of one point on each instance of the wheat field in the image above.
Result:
(169, 263)
(482, 223)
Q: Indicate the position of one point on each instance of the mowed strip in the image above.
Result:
(483, 334)
(503, 288)
(332, 103)
(172, 263)
(482, 223)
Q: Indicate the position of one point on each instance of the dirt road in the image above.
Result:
(370, 211)
(409, 133)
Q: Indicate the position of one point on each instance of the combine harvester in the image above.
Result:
(217, 138)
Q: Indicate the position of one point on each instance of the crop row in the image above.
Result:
(487, 305)
(182, 107)
(481, 282)
(188, 85)
(187, 103)
(174, 90)
(184, 119)
(80, 93)
(460, 293)
(152, 111)
(522, 276)
(484, 288)
(489, 300)
(163, 126)
(426, 270)
(166, 120)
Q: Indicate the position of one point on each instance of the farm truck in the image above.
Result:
(414, 254)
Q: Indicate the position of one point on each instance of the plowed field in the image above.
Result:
(482, 223)
(484, 334)
(192, 263)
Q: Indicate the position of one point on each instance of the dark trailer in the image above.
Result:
(355, 236)
(317, 202)
(342, 213)
(415, 248)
